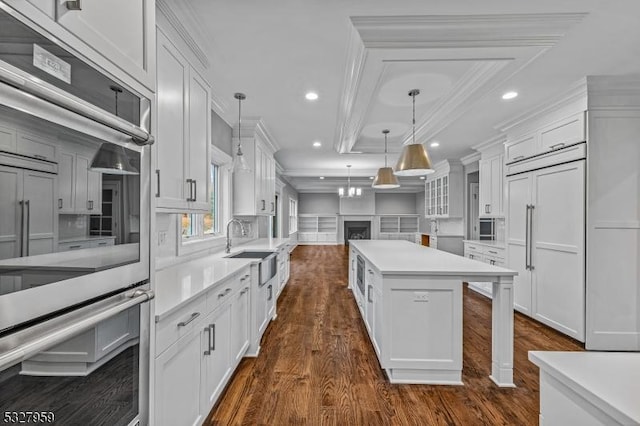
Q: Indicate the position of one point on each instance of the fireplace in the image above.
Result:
(357, 230)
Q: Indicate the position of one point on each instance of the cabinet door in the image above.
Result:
(427, 199)
(518, 197)
(177, 389)
(215, 354)
(198, 146)
(558, 257)
(438, 200)
(41, 192)
(36, 146)
(10, 212)
(82, 184)
(117, 29)
(262, 312)
(369, 306)
(7, 139)
(485, 187)
(172, 74)
(94, 192)
(445, 196)
(378, 323)
(497, 181)
(259, 180)
(240, 323)
(66, 182)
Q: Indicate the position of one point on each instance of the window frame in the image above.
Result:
(293, 215)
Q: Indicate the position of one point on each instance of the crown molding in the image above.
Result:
(471, 158)
(333, 172)
(220, 106)
(255, 127)
(613, 93)
(177, 24)
(575, 93)
(438, 31)
(490, 143)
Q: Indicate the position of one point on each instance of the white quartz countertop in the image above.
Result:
(489, 243)
(181, 283)
(608, 380)
(90, 259)
(443, 235)
(404, 258)
(86, 238)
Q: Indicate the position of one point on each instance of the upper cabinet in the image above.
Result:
(254, 192)
(184, 126)
(444, 191)
(118, 35)
(556, 135)
(491, 186)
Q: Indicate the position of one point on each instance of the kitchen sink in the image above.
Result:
(250, 255)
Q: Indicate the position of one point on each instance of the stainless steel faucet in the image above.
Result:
(242, 230)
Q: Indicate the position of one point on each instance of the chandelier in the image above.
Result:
(350, 191)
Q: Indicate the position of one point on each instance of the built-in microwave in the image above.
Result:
(75, 176)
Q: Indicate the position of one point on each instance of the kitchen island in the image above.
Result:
(410, 298)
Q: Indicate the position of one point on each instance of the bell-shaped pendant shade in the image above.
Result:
(385, 179)
(414, 161)
(112, 159)
(240, 163)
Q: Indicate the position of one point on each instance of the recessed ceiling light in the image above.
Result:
(311, 96)
(317, 144)
(509, 95)
(435, 144)
(422, 178)
(321, 177)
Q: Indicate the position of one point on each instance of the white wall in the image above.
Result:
(396, 203)
(318, 203)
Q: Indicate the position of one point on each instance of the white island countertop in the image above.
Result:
(608, 380)
(178, 284)
(489, 243)
(406, 258)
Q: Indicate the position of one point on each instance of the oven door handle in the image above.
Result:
(24, 344)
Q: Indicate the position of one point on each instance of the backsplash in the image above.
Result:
(72, 226)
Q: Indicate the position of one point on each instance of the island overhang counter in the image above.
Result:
(410, 298)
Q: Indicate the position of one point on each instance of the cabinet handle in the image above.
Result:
(244, 290)
(519, 157)
(102, 244)
(531, 267)
(195, 190)
(189, 198)
(263, 204)
(39, 157)
(191, 318)
(21, 202)
(90, 205)
(74, 247)
(492, 262)
(208, 331)
(369, 299)
(73, 4)
(494, 252)
(158, 183)
(559, 145)
(270, 288)
(212, 335)
(526, 238)
(59, 203)
(28, 226)
(470, 256)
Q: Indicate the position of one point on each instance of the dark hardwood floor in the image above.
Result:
(318, 367)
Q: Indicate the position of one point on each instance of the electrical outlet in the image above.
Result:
(162, 237)
(421, 296)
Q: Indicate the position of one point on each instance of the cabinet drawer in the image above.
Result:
(563, 133)
(179, 324)
(35, 146)
(223, 291)
(497, 253)
(520, 148)
(74, 245)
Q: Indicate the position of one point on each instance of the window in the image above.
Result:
(205, 226)
(293, 215)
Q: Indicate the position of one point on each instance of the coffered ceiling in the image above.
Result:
(362, 58)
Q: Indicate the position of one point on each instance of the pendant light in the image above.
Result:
(351, 191)
(112, 159)
(385, 179)
(239, 161)
(414, 160)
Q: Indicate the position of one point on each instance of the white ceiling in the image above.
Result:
(362, 57)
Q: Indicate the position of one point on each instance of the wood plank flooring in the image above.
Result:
(317, 365)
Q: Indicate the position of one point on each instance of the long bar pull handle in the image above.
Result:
(158, 183)
(28, 227)
(531, 267)
(21, 202)
(370, 290)
(213, 337)
(191, 318)
(208, 331)
(558, 145)
(526, 239)
(190, 197)
(195, 190)
(59, 203)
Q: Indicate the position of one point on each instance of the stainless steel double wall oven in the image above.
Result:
(74, 236)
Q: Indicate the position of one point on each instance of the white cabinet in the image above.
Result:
(240, 326)
(66, 182)
(491, 186)
(28, 224)
(486, 252)
(119, 33)
(178, 372)
(317, 229)
(85, 244)
(254, 192)
(398, 227)
(182, 177)
(37, 146)
(552, 136)
(88, 188)
(444, 191)
(545, 242)
(216, 365)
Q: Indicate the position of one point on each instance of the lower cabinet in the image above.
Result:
(486, 253)
(191, 373)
